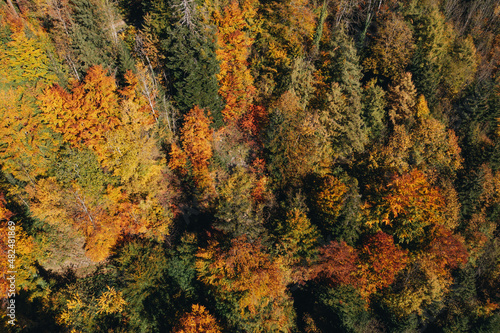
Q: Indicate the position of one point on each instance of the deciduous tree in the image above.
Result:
(234, 43)
(199, 320)
(250, 287)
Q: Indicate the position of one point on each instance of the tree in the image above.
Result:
(191, 62)
(339, 309)
(85, 115)
(199, 320)
(409, 207)
(328, 199)
(234, 43)
(433, 38)
(297, 240)
(133, 156)
(374, 104)
(237, 212)
(391, 48)
(26, 144)
(433, 145)
(93, 35)
(140, 266)
(248, 285)
(296, 141)
(298, 236)
(284, 32)
(427, 279)
(196, 138)
(336, 264)
(460, 67)
(402, 98)
(380, 260)
(343, 125)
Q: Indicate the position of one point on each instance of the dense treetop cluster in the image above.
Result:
(251, 165)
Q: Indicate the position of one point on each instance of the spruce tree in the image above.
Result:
(343, 105)
(192, 67)
(186, 56)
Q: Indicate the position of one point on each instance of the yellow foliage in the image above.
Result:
(111, 301)
(235, 79)
(330, 197)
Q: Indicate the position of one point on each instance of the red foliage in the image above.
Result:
(448, 250)
(253, 120)
(5, 214)
(336, 265)
(380, 261)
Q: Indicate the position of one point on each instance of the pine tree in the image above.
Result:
(433, 38)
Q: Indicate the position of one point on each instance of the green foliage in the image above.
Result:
(374, 104)
(141, 268)
(343, 125)
(342, 112)
(192, 66)
(433, 37)
(236, 211)
(93, 36)
(296, 141)
(338, 309)
(182, 48)
(335, 189)
(83, 167)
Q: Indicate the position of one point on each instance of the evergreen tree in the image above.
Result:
(190, 60)
(181, 48)
(342, 113)
(93, 36)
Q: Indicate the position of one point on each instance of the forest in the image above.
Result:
(250, 166)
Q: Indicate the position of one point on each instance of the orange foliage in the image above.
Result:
(411, 205)
(178, 158)
(379, 261)
(253, 120)
(260, 191)
(199, 320)
(246, 272)
(336, 264)
(235, 79)
(102, 235)
(330, 197)
(447, 250)
(197, 142)
(135, 93)
(85, 115)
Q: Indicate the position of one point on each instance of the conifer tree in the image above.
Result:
(93, 37)
(342, 107)
(191, 62)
